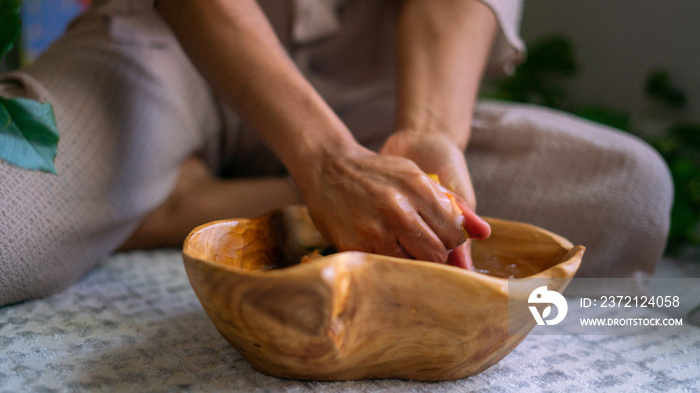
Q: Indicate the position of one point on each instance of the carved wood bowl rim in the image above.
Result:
(208, 277)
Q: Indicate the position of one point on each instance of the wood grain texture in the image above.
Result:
(354, 315)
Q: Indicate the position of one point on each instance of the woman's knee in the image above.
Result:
(36, 256)
(600, 187)
(29, 268)
(50, 234)
(635, 203)
(651, 190)
(631, 177)
(648, 190)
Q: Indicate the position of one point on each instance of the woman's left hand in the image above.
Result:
(436, 154)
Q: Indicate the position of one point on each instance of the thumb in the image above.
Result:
(475, 226)
(464, 190)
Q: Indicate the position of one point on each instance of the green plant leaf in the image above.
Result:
(28, 134)
(684, 220)
(540, 79)
(688, 133)
(10, 24)
(553, 55)
(611, 117)
(658, 86)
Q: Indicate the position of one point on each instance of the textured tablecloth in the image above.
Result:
(134, 324)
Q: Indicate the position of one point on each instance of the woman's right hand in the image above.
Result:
(363, 201)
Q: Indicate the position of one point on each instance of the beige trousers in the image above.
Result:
(131, 107)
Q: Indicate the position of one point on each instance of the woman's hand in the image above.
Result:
(382, 204)
(436, 153)
(442, 48)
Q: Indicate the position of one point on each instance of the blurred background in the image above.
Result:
(631, 64)
(618, 43)
(42, 22)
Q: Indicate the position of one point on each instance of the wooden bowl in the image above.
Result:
(355, 315)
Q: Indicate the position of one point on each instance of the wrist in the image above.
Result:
(456, 137)
(456, 130)
(317, 152)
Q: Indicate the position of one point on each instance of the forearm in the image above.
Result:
(442, 49)
(237, 51)
(359, 200)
